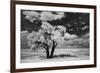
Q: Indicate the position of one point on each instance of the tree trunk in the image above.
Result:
(47, 53)
(53, 49)
(52, 52)
(47, 50)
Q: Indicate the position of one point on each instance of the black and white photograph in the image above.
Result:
(51, 36)
(54, 36)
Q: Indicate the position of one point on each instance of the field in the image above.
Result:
(75, 49)
(70, 54)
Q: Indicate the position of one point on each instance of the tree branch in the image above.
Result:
(55, 44)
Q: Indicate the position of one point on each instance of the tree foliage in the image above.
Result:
(48, 37)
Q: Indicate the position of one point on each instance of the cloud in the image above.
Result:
(49, 16)
(30, 18)
(85, 27)
(70, 36)
(46, 16)
(31, 15)
(59, 15)
(43, 16)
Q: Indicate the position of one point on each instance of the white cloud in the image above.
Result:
(30, 18)
(31, 15)
(49, 16)
(85, 27)
(70, 36)
(59, 15)
(43, 16)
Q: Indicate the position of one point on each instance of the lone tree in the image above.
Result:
(48, 37)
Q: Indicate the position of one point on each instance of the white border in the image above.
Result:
(52, 64)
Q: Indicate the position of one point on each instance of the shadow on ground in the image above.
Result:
(59, 56)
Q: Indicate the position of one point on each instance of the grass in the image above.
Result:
(71, 54)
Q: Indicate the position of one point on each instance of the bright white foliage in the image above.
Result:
(55, 31)
(48, 33)
(47, 27)
(61, 28)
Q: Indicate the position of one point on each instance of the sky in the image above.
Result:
(75, 23)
